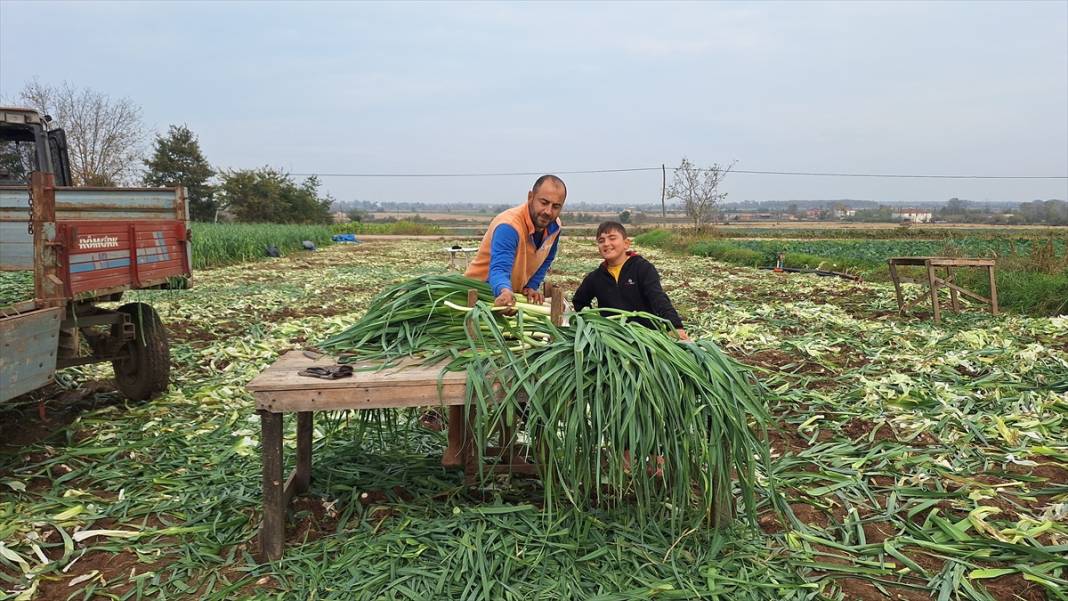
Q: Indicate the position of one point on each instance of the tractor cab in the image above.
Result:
(28, 144)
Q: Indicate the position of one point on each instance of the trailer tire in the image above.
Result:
(146, 370)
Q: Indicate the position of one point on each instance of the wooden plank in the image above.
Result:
(16, 308)
(950, 280)
(350, 397)
(304, 451)
(969, 293)
(453, 457)
(907, 260)
(470, 457)
(897, 287)
(282, 375)
(272, 532)
(934, 292)
(556, 306)
(993, 289)
(956, 262)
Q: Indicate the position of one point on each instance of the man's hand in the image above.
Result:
(505, 299)
(533, 296)
(683, 337)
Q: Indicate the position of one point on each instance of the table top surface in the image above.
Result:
(282, 375)
(943, 261)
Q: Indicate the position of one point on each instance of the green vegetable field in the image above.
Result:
(902, 461)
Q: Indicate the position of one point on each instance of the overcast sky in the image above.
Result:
(915, 88)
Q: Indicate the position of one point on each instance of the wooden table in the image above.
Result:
(279, 390)
(933, 282)
(465, 253)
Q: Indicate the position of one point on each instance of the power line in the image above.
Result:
(899, 175)
(495, 174)
(637, 169)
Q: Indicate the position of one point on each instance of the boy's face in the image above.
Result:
(613, 246)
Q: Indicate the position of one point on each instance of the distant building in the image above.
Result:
(842, 213)
(749, 216)
(340, 217)
(913, 215)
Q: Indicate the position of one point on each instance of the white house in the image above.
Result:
(913, 215)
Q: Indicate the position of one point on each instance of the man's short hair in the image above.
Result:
(549, 178)
(611, 226)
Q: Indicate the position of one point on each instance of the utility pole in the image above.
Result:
(663, 192)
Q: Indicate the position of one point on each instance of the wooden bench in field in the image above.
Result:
(933, 282)
(279, 390)
(460, 255)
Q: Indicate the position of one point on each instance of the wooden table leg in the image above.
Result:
(470, 457)
(507, 442)
(897, 288)
(993, 290)
(304, 452)
(932, 280)
(272, 533)
(952, 291)
(453, 455)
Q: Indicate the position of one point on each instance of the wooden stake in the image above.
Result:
(932, 281)
(993, 290)
(897, 287)
(951, 279)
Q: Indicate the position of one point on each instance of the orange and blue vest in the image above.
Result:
(512, 255)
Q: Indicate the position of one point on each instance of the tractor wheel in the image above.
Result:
(145, 372)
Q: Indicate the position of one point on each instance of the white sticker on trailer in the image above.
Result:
(93, 242)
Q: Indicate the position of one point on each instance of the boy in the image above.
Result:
(625, 280)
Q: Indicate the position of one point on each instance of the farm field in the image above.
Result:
(914, 461)
(1031, 274)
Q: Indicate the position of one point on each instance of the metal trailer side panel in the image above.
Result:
(16, 243)
(81, 204)
(28, 346)
(100, 255)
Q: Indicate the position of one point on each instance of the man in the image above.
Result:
(520, 244)
(514, 256)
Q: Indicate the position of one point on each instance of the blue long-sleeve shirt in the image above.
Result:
(502, 257)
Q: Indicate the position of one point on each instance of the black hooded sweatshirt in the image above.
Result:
(638, 289)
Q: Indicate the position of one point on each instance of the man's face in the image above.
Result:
(613, 246)
(545, 204)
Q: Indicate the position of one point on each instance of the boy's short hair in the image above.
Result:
(611, 226)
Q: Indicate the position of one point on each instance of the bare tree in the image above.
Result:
(698, 189)
(105, 136)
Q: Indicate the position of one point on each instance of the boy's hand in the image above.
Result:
(533, 296)
(505, 299)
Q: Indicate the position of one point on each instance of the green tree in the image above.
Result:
(624, 216)
(177, 160)
(271, 196)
